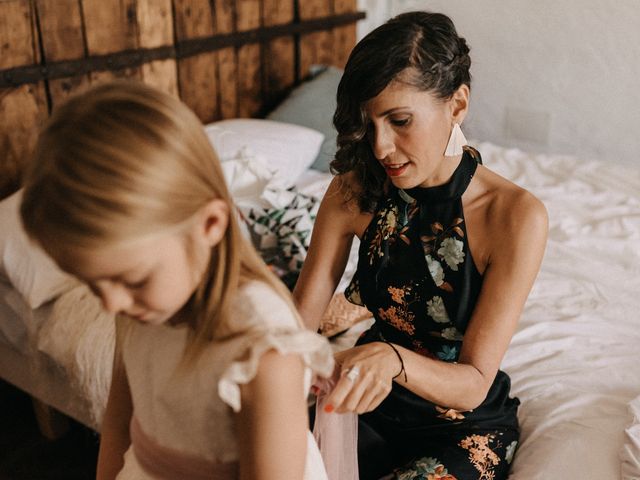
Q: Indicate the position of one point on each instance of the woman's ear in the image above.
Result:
(214, 221)
(460, 104)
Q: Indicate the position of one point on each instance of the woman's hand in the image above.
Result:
(366, 376)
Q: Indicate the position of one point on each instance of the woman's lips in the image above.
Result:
(395, 170)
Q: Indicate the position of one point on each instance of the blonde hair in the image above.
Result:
(122, 161)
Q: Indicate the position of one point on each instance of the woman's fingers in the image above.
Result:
(352, 400)
(373, 397)
(377, 398)
(340, 391)
(356, 393)
(365, 378)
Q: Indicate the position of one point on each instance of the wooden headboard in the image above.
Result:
(223, 58)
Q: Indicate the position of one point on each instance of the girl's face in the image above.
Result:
(409, 131)
(149, 279)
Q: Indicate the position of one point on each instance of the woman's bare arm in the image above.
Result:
(336, 224)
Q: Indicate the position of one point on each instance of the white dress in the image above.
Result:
(192, 412)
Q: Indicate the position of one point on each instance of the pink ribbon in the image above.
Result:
(336, 435)
(168, 464)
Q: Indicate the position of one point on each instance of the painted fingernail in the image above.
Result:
(328, 408)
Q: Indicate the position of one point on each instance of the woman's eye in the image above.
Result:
(400, 122)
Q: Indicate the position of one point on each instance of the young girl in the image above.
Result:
(449, 252)
(212, 364)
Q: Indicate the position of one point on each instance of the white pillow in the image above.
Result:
(288, 149)
(29, 269)
(9, 224)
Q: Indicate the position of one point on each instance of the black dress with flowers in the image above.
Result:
(416, 274)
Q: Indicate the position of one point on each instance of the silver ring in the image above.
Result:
(353, 373)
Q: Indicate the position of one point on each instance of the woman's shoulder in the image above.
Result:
(506, 197)
(344, 191)
(508, 207)
(341, 204)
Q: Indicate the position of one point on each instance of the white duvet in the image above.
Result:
(575, 359)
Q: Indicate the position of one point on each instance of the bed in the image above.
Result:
(574, 358)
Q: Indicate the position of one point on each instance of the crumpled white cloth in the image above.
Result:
(630, 453)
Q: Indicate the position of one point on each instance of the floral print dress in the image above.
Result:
(416, 274)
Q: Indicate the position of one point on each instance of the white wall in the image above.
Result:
(548, 75)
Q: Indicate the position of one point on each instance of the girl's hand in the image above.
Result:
(366, 376)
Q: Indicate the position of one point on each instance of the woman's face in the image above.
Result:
(409, 131)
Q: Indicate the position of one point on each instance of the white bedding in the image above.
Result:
(574, 360)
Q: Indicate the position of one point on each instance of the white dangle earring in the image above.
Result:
(456, 141)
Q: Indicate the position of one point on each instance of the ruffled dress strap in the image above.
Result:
(314, 350)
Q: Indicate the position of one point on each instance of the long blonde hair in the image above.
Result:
(122, 161)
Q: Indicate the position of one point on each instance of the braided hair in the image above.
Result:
(421, 48)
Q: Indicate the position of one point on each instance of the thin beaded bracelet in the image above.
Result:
(402, 370)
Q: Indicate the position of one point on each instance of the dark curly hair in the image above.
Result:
(425, 42)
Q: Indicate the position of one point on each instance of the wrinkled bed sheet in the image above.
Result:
(575, 359)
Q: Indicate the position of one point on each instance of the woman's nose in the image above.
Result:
(383, 145)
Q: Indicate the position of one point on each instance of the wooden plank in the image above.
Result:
(309, 9)
(248, 17)
(155, 29)
(198, 85)
(155, 23)
(279, 54)
(61, 29)
(18, 35)
(22, 109)
(345, 6)
(197, 75)
(344, 39)
(228, 83)
(22, 112)
(248, 14)
(108, 75)
(62, 88)
(110, 26)
(279, 66)
(62, 39)
(224, 13)
(193, 19)
(316, 47)
(161, 74)
(277, 12)
(227, 93)
(249, 81)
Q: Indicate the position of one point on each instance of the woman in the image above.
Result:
(449, 252)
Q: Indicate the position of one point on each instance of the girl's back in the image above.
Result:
(190, 411)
